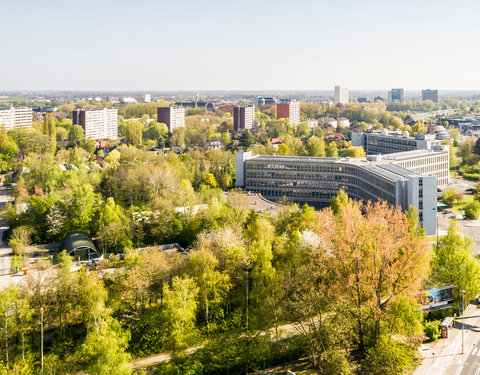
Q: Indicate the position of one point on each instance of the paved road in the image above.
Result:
(472, 364)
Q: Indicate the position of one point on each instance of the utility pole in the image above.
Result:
(246, 298)
(41, 338)
(6, 338)
(463, 293)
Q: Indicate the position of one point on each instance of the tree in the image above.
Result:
(332, 150)
(157, 132)
(283, 149)
(82, 207)
(473, 211)
(397, 123)
(354, 152)
(246, 139)
(181, 304)
(315, 146)
(476, 148)
(375, 259)
(454, 264)
(340, 201)
(134, 133)
(450, 196)
(209, 180)
(20, 240)
(76, 133)
(388, 357)
(3, 137)
(49, 127)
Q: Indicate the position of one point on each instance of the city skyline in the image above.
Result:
(156, 45)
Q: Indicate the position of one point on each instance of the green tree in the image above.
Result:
(49, 127)
(283, 149)
(209, 180)
(332, 150)
(134, 133)
(181, 305)
(476, 148)
(397, 123)
(246, 139)
(20, 240)
(450, 196)
(339, 201)
(388, 357)
(354, 152)
(315, 146)
(82, 208)
(454, 263)
(76, 133)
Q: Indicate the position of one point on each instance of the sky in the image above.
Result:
(239, 45)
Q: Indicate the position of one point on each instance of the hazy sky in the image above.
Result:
(242, 44)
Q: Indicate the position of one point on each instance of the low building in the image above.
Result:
(327, 121)
(343, 122)
(213, 144)
(80, 246)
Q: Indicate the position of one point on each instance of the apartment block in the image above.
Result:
(317, 180)
(16, 118)
(388, 142)
(430, 95)
(173, 117)
(341, 95)
(289, 109)
(243, 117)
(98, 123)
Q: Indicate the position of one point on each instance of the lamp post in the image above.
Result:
(463, 293)
(41, 338)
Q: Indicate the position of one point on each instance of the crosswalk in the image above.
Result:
(476, 352)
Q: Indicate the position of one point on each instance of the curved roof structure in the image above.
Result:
(79, 243)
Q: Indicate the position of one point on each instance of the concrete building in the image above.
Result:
(289, 109)
(173, 117)
(243, 117)
(430, 95)
(147, 98)
(266, 100)
(388, 142)
(317, 180)
(396, 95)
(128, 101)
(16, 118)
(341, 95)
(98, 123)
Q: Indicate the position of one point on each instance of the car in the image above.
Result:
(460, 217)
(470, 190)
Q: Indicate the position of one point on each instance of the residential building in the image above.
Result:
(396, 95)
(341, 95)
(15, 118)
(289, 109)
(98, 123)
(213, 144)
(173, 117)
(243, 117)
(316, 180)
(147, 98)
(430, 95)
(327, 122)
(388, 142)
(343, 122)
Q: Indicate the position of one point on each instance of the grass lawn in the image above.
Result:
(460, 206)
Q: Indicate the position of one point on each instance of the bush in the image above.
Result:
(335, 363)
(388, 357)
(432, 330)
(471, 212)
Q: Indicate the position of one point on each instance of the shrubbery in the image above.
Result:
(432, 330)
(473, 212)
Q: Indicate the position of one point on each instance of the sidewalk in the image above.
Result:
(444, 356)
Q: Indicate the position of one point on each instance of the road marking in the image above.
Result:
(477, 372)
(474, 352)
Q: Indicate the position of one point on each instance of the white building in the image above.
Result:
(243, 117)
(173, 117)
(15, 118)
(341, 95)
(289, 109)
(147, 98)
(101, 123)
(128, 100)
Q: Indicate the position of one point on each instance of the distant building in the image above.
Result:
(312, 122)
(327, 122)
(98, 123)
(243, 117)
(173, 117)
(343, 122)
(363, 99)
(430, 95)
(289, 109)
(377, 98)
(396, 95)
(341, 95)
(266, 100)
(147, 98)
(128, 101)
(15, 118)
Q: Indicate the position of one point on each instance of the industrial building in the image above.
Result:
(404, 179)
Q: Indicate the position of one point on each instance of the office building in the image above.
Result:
(430, 95)
(316, 180)
(16, 118)
(396, 95)
(341, 95)
(98, 123)
(147, 98)
(173, 117)
(388, 142)
(289, 109)
(243, 117)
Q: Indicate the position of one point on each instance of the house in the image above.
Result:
(276, 142)
(343, 122)
(335, 137)
(213, 144)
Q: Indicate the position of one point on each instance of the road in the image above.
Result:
(472, 364)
